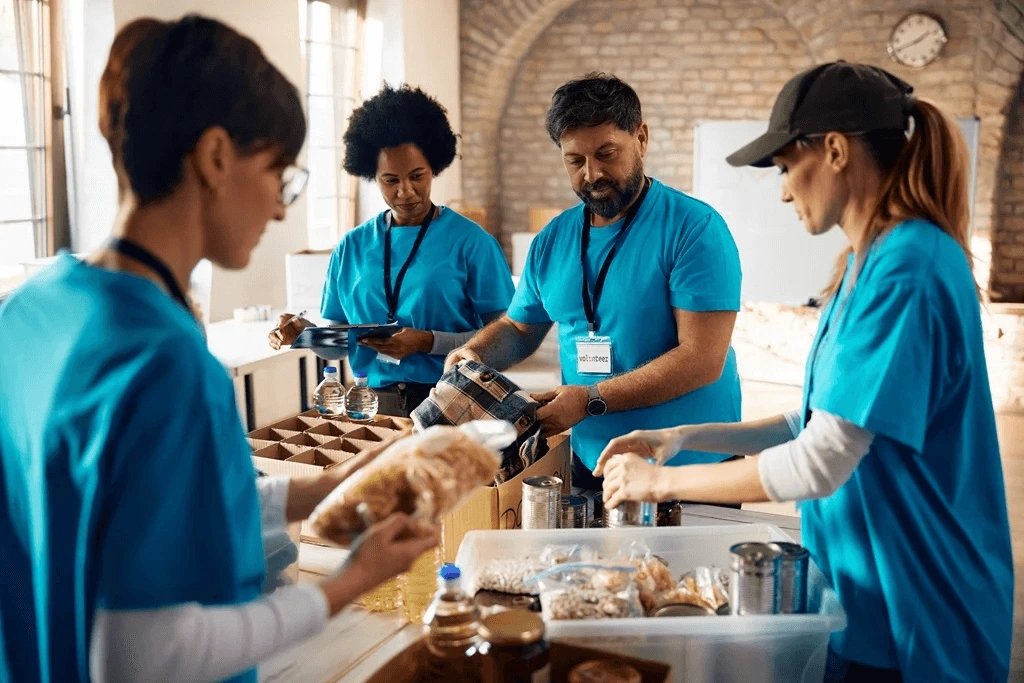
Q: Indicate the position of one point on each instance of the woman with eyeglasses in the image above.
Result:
(894, 451)
(438, 275)
(131, 519)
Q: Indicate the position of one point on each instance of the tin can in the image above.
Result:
(754, 584)
(683, 610)
(542, 502)
(793, 578)
(574, 512)
(629, 513)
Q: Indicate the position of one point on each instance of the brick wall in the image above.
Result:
(725, 59)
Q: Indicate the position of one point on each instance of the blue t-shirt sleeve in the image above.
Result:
(331, 306)
(879, 373)
(489, 281)
(181, 519)
(527, 307)
(705, 273)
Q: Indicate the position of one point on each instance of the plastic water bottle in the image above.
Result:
(361, 400)
(452, 622)
(329, 396)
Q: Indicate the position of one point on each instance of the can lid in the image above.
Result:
(604, 671)
(573, 501)
(545, 482)
(512, 627)
(793, 551)
(683, 610)
(756, 554)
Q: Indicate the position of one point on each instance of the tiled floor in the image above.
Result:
(762, 400)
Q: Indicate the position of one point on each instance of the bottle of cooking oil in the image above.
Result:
(418, 585)
(452, 624)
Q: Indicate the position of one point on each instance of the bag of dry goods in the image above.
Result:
(653, 577)
(425, 476)
(704, 586)
(509, 575)
(588, 591)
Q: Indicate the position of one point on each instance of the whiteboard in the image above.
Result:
(781, 262)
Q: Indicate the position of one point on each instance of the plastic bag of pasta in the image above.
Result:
(425, 476)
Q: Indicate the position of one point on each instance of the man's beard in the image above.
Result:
(613, 204)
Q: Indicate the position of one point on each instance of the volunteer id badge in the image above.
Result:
(594, 355)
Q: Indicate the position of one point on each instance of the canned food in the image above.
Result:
(754, 584)
(629, 513)
(604, 671)
(574, 512)
(542, 508)
(683, 609)
(793, 578)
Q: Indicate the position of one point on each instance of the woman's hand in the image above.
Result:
(384, 551)
(288, 328)
(402, 344)
(631, 477)
(660, 444)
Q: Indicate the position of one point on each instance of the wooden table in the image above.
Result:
(357, 643)
(269, 385)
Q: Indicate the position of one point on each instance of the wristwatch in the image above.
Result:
(595, 404)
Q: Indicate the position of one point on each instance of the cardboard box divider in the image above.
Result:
(298, 423)
(489, 507)
(273, 434)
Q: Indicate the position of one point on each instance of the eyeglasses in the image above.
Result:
(293, 181)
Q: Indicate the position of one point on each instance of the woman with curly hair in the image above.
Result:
(437, 274)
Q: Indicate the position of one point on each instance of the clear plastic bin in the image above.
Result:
(751, 649)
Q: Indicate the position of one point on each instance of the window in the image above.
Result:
(33, 201)
(331, 45)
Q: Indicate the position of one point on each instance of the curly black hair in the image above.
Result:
(595, 99)
(394, 117)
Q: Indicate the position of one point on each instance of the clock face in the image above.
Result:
(917, 40)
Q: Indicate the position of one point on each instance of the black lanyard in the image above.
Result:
(590, 305)
(392, 293)
(137, 253)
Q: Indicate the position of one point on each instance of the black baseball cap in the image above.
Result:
(839, 96)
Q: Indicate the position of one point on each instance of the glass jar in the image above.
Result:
(514, 649)
(604, 671)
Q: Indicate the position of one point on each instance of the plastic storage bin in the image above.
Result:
(701, 649)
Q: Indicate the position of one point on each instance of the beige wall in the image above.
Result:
(274, 24)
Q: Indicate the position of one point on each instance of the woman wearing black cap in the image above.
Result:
(894, 451)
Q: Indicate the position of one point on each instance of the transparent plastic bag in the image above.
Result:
(588, 591)
(425, 476)
(704, 586)
(508, 575)
(653, 577)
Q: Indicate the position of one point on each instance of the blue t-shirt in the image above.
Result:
(917, 542)
(678, 254)
(459, 275)
(126, 482)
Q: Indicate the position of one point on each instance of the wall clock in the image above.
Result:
(917, 40)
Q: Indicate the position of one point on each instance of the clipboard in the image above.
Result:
(332, 343)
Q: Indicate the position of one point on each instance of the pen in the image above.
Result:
(289, 321)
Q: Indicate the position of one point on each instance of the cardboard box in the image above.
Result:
(305, 272)
(282, 449)
(406, 667)
(540, 216)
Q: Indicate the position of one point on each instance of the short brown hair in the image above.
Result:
(166, 83)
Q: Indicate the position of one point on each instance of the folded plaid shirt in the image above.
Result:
(473, 391)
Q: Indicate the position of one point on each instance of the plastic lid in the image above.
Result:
(449, 572)
(359, 373)
(330, 369)
(604, 671)
(512, 627)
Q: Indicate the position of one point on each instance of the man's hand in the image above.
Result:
(288, 328)
(630, 477)
(460, 354)
(562, 408)
(402, 344)
(660, 444)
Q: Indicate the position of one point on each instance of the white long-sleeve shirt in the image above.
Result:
(818, 460)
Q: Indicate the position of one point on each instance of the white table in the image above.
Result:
(269, 385)
(357, 643)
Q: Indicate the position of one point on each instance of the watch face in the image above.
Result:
(597, 406)
(917, 40)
